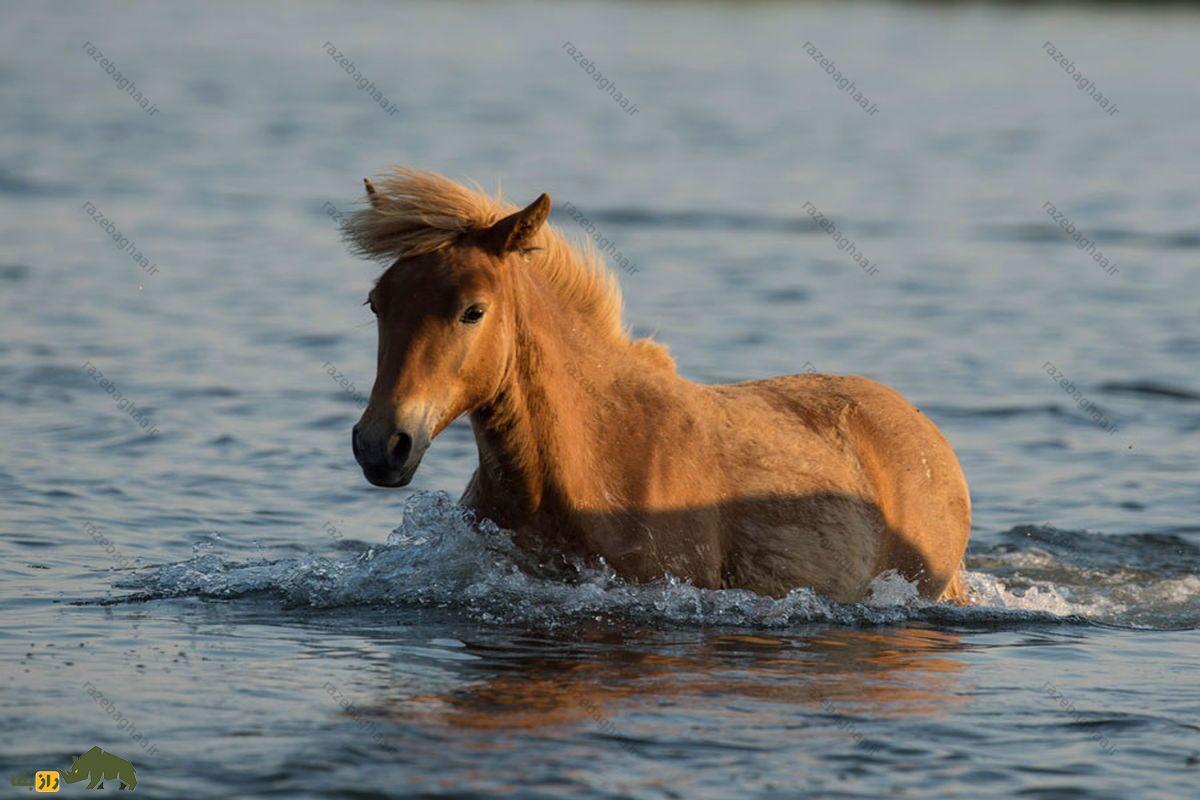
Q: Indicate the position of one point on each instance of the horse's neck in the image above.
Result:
(538, 443)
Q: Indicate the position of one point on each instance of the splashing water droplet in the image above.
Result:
(441, 555)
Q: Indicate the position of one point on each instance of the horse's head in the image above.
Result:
(446, 339)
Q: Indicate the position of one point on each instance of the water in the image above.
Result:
(231, 589)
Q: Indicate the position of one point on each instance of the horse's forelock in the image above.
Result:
(411, 213)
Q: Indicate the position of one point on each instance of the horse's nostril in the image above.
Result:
(401, 449)
(354, 441)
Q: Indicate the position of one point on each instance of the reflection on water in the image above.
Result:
(863, 672)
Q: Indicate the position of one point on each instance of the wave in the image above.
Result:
(1042, 232)
(997, 412)
(441, 556)
(700, 220)
(1150, 389)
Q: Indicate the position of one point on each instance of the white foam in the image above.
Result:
(439, 555)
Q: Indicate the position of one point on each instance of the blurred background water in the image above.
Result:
(234, 588)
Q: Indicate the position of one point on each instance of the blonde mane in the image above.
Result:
(413, 213)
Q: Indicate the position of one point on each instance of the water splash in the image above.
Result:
(440, 555)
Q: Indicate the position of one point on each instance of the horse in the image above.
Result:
(591, 444)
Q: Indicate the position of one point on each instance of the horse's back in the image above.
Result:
(900, 491)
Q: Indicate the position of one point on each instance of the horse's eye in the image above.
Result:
(473, 315)
(372, 305)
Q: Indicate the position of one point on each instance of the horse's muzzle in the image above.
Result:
(389, 461)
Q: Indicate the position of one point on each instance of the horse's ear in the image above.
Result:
(375, 197)
(516, 231)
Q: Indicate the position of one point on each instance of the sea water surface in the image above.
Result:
(220, 598)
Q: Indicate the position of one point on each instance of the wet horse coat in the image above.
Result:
(592, 445)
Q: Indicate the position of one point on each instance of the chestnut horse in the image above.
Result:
(592, 445)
